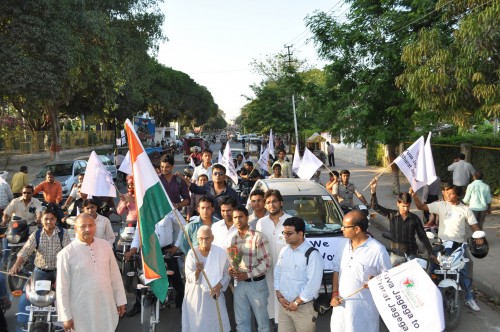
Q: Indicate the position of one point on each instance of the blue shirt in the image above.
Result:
(478, 196)
(294, 277)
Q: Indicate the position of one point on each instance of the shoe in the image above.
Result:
(134, 311)
(472, 305)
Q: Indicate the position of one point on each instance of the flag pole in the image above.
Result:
(198, 261)
(376, 178)
(355, 292)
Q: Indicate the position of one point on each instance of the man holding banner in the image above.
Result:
(359, 258)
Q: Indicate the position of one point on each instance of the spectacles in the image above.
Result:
(348, 226)
(27, 193)
(288, 233)
(219, 173)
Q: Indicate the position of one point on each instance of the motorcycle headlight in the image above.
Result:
(14, 239)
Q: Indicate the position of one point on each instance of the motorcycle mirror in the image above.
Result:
(430, 235)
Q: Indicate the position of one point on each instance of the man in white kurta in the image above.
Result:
(199, 310)
(90, 292)
(272, 227)
(359, 258)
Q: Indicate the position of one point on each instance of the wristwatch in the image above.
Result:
(296, 303)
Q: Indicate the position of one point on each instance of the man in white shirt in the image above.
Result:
(259, 209)
(286, 168)
(297, 279)
(103, 229)
(454, 217)
(223, 231)
(331, 156)
(462, 172)
(205, 167)
(272, 228)
(26, 207)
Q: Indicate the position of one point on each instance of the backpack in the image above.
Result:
(38, 234)
(308, 253)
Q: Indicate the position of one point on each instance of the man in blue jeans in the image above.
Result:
(250, 291)
(454, 217)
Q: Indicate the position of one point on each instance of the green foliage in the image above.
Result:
(375, 154)
(452, 67)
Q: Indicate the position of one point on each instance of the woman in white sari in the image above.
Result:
(199, 311)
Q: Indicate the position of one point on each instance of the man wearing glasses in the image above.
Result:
(359, 258)
(272, 228)
(297, 279)
(215, 189)
(26, 207)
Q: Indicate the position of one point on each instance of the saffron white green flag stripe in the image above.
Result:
(153, 205)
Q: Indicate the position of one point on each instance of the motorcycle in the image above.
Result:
(150, 304)
(40, 292)
(17, 235)
(448, 279)
(123, 245)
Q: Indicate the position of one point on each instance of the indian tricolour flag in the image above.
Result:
(153, 205)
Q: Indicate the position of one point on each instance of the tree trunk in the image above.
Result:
(391, 149)
(55, 146)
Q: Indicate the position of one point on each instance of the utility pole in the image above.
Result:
(293, 100)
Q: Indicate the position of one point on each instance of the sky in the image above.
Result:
(215, 41)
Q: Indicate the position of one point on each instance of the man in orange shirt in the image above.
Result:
(51, 188)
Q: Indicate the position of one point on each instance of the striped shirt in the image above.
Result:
(256, 258)
(46, 254)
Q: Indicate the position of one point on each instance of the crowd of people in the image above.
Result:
(241, 269)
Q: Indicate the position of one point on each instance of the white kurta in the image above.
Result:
(276, 242)
(358, 313)
(199, 310)
(89, 286)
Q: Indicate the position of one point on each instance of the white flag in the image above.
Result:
(227, 161)
(429, 161)
(123, 137)
(126, 166)
(271, 144)
(407, 299)
(296, 161)
(309, 165)
(264, 158)
(98, 181)
(410, 164)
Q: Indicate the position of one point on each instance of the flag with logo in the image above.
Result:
(309, 165)
(413, 166)
(98, 181)
(407, 299)
(153, 205)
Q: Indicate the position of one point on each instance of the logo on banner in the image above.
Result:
(408, 283)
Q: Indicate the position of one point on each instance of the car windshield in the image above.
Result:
(105, 160)
(57, 170)
(319, 212)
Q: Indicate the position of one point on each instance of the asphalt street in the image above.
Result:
(488, 319)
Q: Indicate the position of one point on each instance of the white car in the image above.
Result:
(109, 166)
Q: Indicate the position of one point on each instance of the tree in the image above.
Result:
(54, 49)
(364, 52)
(452, 68)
